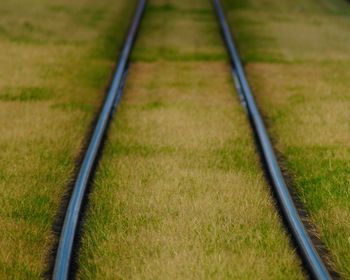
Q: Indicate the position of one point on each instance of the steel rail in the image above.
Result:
(64, 254)
(311, 257)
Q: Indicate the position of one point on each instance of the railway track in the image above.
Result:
(64, 256)
(298, 231)
(68, 237)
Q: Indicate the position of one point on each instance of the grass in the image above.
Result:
(50, 50)
(162, 42)
(179, 193)
(301, 79)
(25, 94)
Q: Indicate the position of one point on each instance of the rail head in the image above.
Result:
(67, 239)
(312, 259)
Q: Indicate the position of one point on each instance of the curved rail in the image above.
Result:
(313, 261)
(68, 235)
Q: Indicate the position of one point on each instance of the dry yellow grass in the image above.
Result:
(179, 193)
(297, 55)
(56, 57)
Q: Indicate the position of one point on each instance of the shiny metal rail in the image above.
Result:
(68, 235)
(310, 255)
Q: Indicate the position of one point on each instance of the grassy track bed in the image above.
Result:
(179, 193)
(297, 56)
(56, 58)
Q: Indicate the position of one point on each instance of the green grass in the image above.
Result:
(301, 79)
(25, 94)
(56, 58)
(179, 193)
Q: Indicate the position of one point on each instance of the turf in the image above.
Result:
(56, 58)
(297, 56)
(179, 193)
